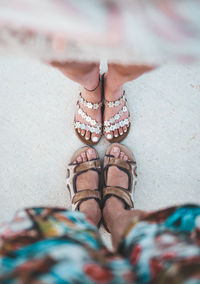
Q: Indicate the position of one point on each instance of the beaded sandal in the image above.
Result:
(129, 167)
(73, 171)
(93, 126)
(111, 125)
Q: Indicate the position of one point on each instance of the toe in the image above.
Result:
(125, 158)
(84, 156)
(79, 159)
(82, 132)
(121, 131)
(91, 154)
(95, 137)
(125, 129)
(121, 155)
(87, 135)
(109, 135)
(115, 151)
(116, 133)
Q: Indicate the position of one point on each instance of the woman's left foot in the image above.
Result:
(116, 115)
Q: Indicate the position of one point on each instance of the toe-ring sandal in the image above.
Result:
(111, 125)
(128, 167)
(73, 171)
(92, 125)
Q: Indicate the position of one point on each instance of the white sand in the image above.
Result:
(37, 137)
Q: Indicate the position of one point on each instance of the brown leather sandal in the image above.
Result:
(129, 167)
(92, 125)
(73, 171)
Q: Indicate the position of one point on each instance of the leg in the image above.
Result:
(87, 75)
(115, 78)
(117, 218)
(88, 180)
(115, 215)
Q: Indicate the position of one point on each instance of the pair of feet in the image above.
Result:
(113, 207)
(89, 119)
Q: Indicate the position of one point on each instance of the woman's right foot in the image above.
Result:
(88, 116)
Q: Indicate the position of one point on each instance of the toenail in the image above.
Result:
(116, 135)
(109, 136)
(115, 149)
(95, 139)
(121, 133)
(90, 151)
(79, 131)
(86, 138)
(125, 130)
(82, 134)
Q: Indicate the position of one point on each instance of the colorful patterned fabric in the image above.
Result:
(52, 245)
(125, 31)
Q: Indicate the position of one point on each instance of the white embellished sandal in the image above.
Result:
(129, 167)
(111, 125)
(92, 125)
(73, 171)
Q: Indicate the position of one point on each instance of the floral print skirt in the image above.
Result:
(53, 245)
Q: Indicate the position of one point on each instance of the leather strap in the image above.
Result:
(118, 162)
(119, 192)
(122, 165)
(94, 164)
(85, 194)
(95, 87)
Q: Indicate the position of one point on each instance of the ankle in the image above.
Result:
(91, 80)
(113, 92)
(91, 210)
(114, 202)
(112, 210)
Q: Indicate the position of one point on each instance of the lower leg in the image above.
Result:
(119, 74)
(88, 180)
(85, 74)
(118, 219)
(115, 215)
(115, 78)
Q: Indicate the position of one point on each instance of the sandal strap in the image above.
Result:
(95, 87)
(117, 116)
(112, 161)
(88, 104)
(85, 166)
(129, 167)
(93, 126)
(88, 118)
(74, 170)
(86, 194)
(119, 192)
(116, 125)
(88, 127)
(116, 103)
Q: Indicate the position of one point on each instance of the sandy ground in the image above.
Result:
(37, 137)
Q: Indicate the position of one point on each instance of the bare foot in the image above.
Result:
(94, 97)
(116, 217)
(117, 95)
(116, 177)
(88, 180)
